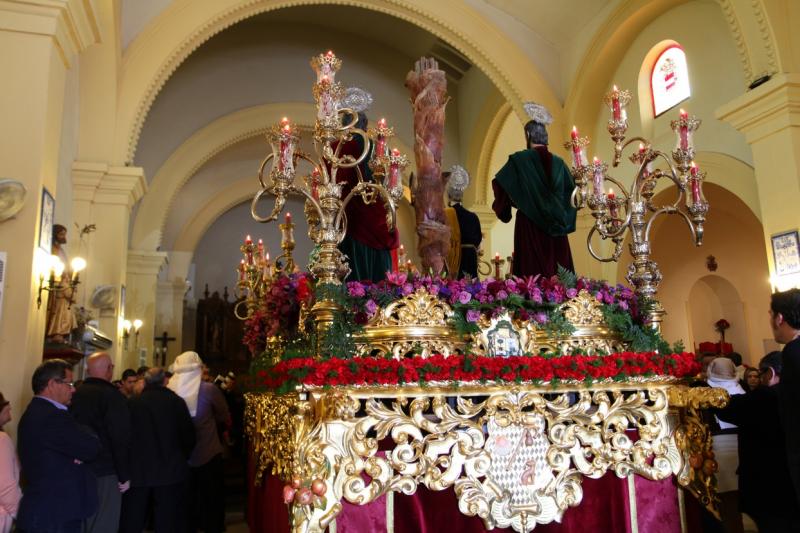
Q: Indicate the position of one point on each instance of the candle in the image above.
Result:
(288, 217)
(241, 270)
(577, 158)
(695, 179)
(315, 184)
(612, 204)
(394, 170)
(497, 256)
(260, 249)
(683, 130)
(326, 104)
(617, 112)
(286, 150)
(598, 177)
(248, 240)
(380, 141)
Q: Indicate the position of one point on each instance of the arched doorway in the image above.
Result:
(712, 298)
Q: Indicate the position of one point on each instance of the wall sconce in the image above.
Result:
(127, 328)
(53, 270)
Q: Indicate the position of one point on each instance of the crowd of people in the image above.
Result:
(103, 456)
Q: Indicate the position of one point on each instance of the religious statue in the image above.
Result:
(368, 242)
(465, 227)
(428, 87)
(60, 317)
(539, 184)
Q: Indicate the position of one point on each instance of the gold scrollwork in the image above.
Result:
(583, 310)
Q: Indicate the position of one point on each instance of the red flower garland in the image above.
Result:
(380, 371)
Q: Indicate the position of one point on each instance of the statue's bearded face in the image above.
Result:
(61, 237)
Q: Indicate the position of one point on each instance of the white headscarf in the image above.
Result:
(722, 373)
(188, 374)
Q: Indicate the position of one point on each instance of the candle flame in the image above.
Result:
(615, 89)
(595, 160)
(684, 113)
(693, 165)
(641, 147)
(611, 191)
(248, 238)
(260, 241)
(575, 129)
(395, 151)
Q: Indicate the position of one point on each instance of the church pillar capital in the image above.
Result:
(765, 110)
(71, 24)
(144, 262)
(769, 117)
(98, 182)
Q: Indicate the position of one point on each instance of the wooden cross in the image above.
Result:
(164, 339)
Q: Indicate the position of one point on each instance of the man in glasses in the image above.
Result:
(53, 448)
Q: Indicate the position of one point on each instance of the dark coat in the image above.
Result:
(765, 487)
(59, 489)
(163, 438)
(790, 408)
(99, 405)
(470, 228)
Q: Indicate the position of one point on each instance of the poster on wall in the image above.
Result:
(786, 252)
(46, 221)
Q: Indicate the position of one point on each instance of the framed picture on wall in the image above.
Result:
(46, 221)
(786, 252)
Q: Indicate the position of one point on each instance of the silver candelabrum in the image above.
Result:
(632, 211)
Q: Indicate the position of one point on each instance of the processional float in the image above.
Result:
(507, 390)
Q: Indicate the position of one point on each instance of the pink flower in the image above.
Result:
(473, 315)
(371, 307)
(355, 289)
(572, 293)
(464, 297)
(396, 278)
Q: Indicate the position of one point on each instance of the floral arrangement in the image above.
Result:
(279, 311)
(721, 325)
(547, 369)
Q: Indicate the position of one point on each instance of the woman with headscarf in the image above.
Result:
(722, 374)
(10, 494)
(209, 410)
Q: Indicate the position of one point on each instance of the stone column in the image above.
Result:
(104, 195)
(40, 41)
(141, 288)
(769, 117)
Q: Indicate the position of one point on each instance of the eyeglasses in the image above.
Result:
(67, 383)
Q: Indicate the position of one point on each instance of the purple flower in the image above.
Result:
(536, 295)
(540, 318)
(371, 307)
(572, 293)
(473, 315)
(623, 305)
(502, 295)
(464, 297)
(407, 289)
(356, 289)
(433, 289)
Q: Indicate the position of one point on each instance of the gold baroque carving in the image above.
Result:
(583, 310)
(417, 309)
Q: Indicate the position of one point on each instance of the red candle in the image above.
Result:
(612, 204)
(576, 150)
(248, 240)
(617, 112)
(598, 177)
(394, 170)
(288, 217)
(260, 249)
(683, 131)
(695, 185)
(380, 141)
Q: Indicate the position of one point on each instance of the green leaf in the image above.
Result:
(567, 277)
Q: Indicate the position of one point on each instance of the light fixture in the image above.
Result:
(52, 268)
(127, 328)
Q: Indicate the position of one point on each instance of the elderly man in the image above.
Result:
(162, 440)
(784, 315)
(98, 404)
(53, 448)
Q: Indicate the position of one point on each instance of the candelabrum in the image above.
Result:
(632, 211)
(256, 271)
(324, 208)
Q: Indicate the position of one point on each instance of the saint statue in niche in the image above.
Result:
(60, 317)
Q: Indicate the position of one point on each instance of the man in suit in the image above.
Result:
(784, 315)
(765, 486)
(53, 451)
(98, 404)
(162, 439)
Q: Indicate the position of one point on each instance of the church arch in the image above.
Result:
(148, 225)
(185, 25)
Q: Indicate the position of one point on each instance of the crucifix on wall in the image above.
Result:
(160, 355)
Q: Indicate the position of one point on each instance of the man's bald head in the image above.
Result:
(99, 365)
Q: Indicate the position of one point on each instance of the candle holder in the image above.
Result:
(498, 264)
(324, 206)
(633, 211)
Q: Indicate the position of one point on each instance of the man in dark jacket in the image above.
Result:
(785, 321)
(163, 437)
(53, 449)
(765, 486)
(98, 404)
